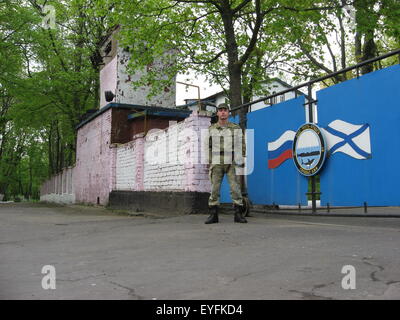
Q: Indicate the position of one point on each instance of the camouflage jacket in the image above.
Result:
(226, 144)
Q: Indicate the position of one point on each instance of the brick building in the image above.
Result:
(135, 152)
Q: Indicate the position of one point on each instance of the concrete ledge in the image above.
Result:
(164, 202)
(64, 198)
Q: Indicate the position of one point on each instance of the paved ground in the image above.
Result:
(99, 254)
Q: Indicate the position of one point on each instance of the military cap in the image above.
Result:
(223, 106)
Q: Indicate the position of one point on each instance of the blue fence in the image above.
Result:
(364, 165)
(281, 184)
(360, 120)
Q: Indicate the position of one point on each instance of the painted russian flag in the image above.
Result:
(281, 149)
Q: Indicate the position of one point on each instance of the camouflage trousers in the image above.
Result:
(217, 172)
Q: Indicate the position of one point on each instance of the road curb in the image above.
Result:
(329, 214)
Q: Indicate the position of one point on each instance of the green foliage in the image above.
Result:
(48, 79)
(304, 39)
(324, 41)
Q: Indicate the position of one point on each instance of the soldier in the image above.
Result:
(226, 153)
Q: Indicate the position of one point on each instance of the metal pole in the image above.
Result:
(311, 120)
(330, 75)
(310, 104)
(198, 92)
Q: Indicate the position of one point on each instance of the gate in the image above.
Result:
(360, 122)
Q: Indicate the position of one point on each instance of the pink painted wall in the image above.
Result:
(94, 172)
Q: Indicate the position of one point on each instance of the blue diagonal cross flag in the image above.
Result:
(350, 139)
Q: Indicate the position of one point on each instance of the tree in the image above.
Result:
(323, 42)
(48, 79)
(374, 19)
(204, 36)
(60, 80)
(224, 40)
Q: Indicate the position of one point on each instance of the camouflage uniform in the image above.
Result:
(226, 156)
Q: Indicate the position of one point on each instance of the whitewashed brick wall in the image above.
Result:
(126, 167)
(181, 169)
(163, 168)
(101, 168)
(59, 188)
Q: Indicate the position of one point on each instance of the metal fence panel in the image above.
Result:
(361, 117)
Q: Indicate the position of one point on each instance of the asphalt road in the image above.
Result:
(102, 254)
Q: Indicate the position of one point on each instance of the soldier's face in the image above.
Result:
(223, 114)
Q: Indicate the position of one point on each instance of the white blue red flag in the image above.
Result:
(281, 149)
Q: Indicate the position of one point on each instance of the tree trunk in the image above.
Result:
(30, 179)
(50, 155)
(364, 42)
(234, 67)
(369, 52)
(57, 149)
(358, 47)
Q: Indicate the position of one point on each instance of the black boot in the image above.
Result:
(213, 218)
(238, 214)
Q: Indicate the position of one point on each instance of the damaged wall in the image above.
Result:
(170, 159)
(114, 78)
(125, 93)
(102, 166)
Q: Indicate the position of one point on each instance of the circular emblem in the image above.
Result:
(309, 149)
